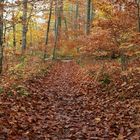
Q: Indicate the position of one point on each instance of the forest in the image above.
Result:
(69, 69)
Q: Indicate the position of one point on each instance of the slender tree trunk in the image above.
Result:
(31, 36)
(76, 14)
(138, 14)
(14, 35)
(55, 30)
(4, 32)
(1, 33)
(92, 13)
(48, 28)
(88, 17)
(58, 21)
(24, 25)
(49, 21)
(56, 40)
(66, 26)
(71, 9)
(14, 30)
(60, 13)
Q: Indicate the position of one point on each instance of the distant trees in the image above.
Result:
(69, 27)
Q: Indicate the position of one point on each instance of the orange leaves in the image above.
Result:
(113, 29)
(99, 41)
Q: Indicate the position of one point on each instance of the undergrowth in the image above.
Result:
(19, 70)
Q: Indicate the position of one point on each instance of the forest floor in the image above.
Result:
(67, 104)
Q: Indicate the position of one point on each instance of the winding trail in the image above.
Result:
(64, 106)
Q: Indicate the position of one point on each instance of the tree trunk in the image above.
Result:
(14, 30)
(48, 28)
(138, 13)
(14, 35)
(58, 21)
(88, 17)
(76, 14)
(4, 33)
(31, 35)
(24, 25)
(1, 33)
(92, 13)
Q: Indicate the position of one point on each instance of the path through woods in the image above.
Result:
(66, 105)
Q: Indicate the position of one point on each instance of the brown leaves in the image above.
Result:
(67, 104)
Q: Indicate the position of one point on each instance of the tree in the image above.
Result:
(24, 24)
(48, 27)
(88, 17)
(14, 29)
(138, 13)
(76, 14)
(58, 21)
(1, 33)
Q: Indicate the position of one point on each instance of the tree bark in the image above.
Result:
(1, 34)
(58, 21)
(88, 17)
(48, 28)
(14, 30)
(76, 14)
(24, 25)
(138, 13)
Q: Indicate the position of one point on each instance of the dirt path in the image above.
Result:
(63, 106)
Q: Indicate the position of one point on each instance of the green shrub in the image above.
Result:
(105, 79)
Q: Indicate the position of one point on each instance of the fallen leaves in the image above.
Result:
(67, 104)
(97, 120)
